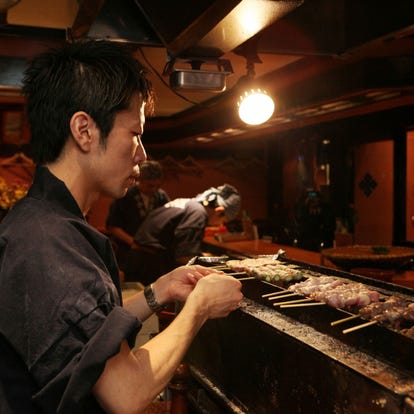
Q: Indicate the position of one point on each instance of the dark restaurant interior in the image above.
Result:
(327, 180)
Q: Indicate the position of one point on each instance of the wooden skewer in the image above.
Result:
(273, 293)
(349, 318)
(268, 283)
(292, 301)
(297, 305)
(355, 328)
(282, 296)
(236, 273)
(246, 278)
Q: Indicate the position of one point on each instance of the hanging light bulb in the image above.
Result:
(255, 106)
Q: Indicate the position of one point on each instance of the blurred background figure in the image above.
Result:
(315, 221)
(127, 213)
(172, 234)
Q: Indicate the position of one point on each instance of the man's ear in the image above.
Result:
(83, 129)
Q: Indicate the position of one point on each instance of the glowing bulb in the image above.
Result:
(255, 107)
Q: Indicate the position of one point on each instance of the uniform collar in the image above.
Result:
(47, 186)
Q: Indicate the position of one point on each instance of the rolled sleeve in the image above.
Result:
(70, 391)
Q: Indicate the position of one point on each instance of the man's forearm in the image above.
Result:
(136, 376)
(133, 378)
(166, 350)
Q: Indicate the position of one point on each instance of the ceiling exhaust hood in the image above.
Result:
(211, 27)
(206, 31)
(199, 35)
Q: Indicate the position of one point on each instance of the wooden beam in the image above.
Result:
(87, 13)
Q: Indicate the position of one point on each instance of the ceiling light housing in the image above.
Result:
(198, 80)
(193, 79)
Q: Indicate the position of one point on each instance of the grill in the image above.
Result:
(271, 359)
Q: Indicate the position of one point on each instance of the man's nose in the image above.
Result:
(140, 153)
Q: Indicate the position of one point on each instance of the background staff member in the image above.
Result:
(127, 213)
(172, 234)
(66, 341)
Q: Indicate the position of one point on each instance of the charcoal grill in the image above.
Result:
(265, 359)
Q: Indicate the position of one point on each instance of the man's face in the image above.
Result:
(118, 161)
(149, 187)
(216, 216)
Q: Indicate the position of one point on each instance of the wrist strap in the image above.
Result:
(152, 300)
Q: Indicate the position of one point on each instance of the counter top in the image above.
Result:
(260, 247)
(257, 247)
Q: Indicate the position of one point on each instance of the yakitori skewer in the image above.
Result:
(279, 292)
(357, 327)
(282, 296)
(293, 301)
(297, 305)
(349, 318)
(217, 267)
(268, 283)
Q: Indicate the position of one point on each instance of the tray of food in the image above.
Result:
(388, 257)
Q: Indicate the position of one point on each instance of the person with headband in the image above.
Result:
(172, 234)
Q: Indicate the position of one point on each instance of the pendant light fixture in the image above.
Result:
(255, 105)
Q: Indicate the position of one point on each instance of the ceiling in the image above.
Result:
(320, 59)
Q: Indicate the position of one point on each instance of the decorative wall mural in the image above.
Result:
(240, 167)
(230, 166)
(174, 168)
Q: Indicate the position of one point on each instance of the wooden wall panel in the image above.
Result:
(409, 219)
(373, 192)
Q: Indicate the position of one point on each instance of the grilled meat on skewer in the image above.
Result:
(336, 292)
(266, 269)
(393, 313)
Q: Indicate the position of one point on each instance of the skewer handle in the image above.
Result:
(266, 295)
(349, 318)
(355, 328)
(282, 296)
(297, 305)
(292, 301)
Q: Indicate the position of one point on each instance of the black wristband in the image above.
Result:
(152, 300)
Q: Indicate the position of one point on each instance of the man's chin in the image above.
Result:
(119, 194)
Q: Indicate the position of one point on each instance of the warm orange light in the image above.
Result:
(255, 107)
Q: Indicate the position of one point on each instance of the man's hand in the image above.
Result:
(216, 295)
(180, 282)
